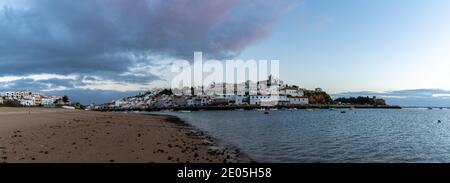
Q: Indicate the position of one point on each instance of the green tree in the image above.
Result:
(65, 99)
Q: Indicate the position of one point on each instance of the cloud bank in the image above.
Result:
(109, 40)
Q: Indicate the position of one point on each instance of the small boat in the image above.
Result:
(184, 111)
(261, 109)
(309, 109)
(343, 112)
(267, 112)
(273, 109)
(240, 109)
(430, 108)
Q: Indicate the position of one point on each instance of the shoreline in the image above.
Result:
(236, 155)
(250, 107)
(34, 135)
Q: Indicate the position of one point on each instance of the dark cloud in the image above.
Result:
(93, 36)
(98, 40)
(414, 97)
(40, 85)
(22, 85)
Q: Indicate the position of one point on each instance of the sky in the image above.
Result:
(100, 50)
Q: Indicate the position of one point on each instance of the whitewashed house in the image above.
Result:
(268, 100)
(47, 101)
(26, 102)
(163, 102)
(236, 99)
(298, 100)
(197, 101)
(292, 91)
(37, 99)
(239, 100)
(179, 101)
(118, 103)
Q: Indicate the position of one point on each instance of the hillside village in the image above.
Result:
(271, 92)
(27, 98)
(267, 93)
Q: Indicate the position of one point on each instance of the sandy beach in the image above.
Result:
(40, 135)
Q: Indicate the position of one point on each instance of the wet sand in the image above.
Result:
(39, 135)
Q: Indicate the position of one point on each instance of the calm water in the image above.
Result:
(379, 135)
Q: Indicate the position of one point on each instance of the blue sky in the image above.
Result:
(398, 49)
(353, 45)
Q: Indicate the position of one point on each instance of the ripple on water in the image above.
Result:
(364, 135)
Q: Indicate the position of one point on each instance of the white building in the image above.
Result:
(26, 102)
(25, 98)
(271, 86)
(267, 100)
(298, 100)
(15, 95)
(239, 100)
(197, 101)
(236, 99)
(163, 102)
(215, 89)
(185, 91)
(292, 91)
(47, 101)
(178, 101)
(37, 99)
(118, 103)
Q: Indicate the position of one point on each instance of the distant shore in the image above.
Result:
(252, 107)
(57, 136)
